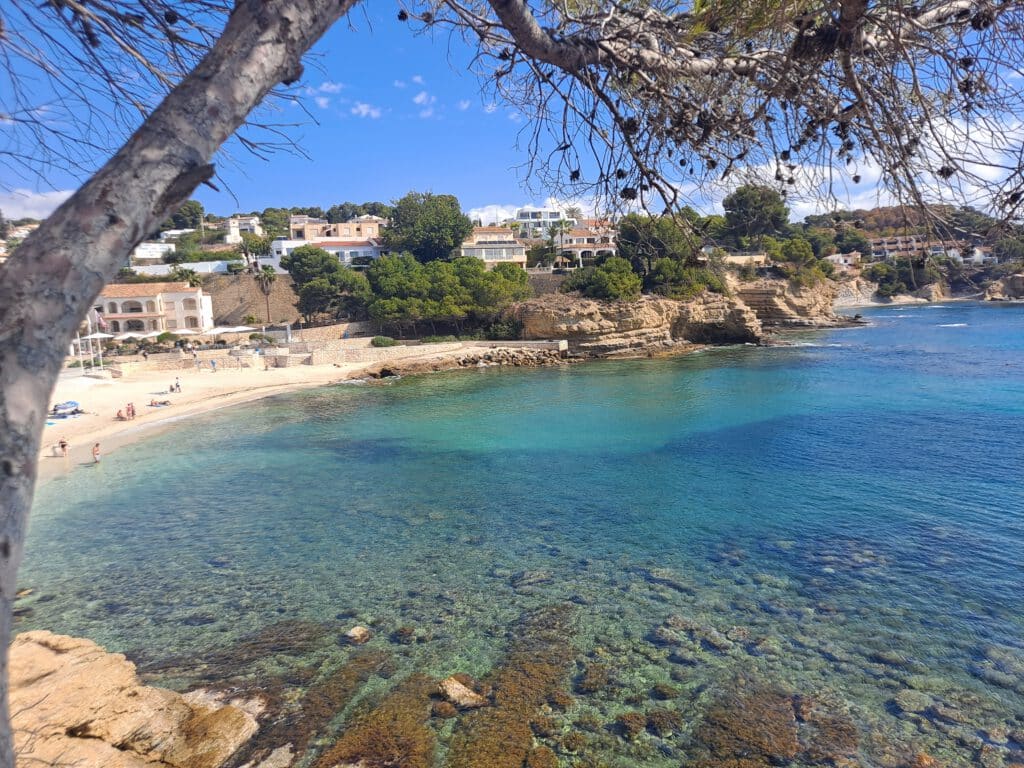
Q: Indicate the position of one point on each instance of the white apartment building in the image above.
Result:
(145, 307)
(534, 222)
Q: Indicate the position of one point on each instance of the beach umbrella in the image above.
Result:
(126, 336)
(241, 329)
(185, 332)
(150, 335)
(99, 335)
(217, 329)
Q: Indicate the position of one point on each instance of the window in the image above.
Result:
(188, 304)
(111, 308)
(191, 322)
(172, 324)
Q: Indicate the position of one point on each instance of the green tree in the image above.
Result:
(677, 280)
(753, 211)
(849, 240)
(798, 251)
(615, 279)
(307, 262)
(429, 226)
(253, 247)
(348, 211)
(275, 221)
(188, 216)
(1009, 249)
(558, 230)
(183, 275)
(642, 240)
(5, 227)
(317, 297)
(266, 278)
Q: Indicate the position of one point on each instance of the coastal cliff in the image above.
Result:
(1008, 289)
(622, 328)
(780, 303)
(72, 703)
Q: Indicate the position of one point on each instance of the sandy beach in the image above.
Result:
(201, 392)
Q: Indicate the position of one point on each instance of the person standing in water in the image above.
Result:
(63, 447)
(96, 453)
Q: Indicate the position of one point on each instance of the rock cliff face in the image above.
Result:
(614, 328)
(72, 703)
(855, 292)
(1007, 289)
(780, 304)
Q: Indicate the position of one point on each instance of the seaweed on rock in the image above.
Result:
(394, 733)
(536, 666)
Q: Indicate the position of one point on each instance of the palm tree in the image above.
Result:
(574, 212)
(265, 278)
(190, 276)
(558, 229)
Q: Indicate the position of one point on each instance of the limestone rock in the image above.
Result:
(462, 696)
(617, 328)
(783, 304)
(933, 292)
(74, 703)
(358, 635)
(1007, 289)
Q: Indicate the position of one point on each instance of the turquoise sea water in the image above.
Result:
(842, 518)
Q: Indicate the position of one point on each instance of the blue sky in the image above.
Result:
(389, 111)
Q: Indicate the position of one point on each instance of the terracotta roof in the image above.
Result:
(503, 230)
(135, 290)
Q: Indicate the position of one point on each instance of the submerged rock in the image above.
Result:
(462, 696)
(74, 703)
(358, 635)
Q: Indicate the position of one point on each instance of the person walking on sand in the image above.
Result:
(63, 447)
(96, 453)
(177, 384)
(195, 359)
(213, 366)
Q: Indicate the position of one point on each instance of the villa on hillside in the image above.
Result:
(578, 245)
(360, 228)
(533, 222)
(494, 245)
(236, 225)
(146, 307)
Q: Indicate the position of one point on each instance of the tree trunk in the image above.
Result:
(267, 297)
(49, 283)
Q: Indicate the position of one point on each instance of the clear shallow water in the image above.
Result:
(849, 512)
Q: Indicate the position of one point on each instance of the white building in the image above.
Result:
(534, 222)
(354, 252)
(845, 262)
(145, 307)
(151, 253)
(494, 245)
(168, 233)
(236, 225)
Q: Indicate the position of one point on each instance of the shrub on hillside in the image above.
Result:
(614, 279)
(383, 341)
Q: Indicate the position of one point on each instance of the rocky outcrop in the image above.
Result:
(1008, 289)
(933, 292)
(780, 303)
(855, 292)
(477, 358)
(615, 328)
(72, 703)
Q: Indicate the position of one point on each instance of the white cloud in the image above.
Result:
(322, 101)
(428, 112)
(418, 79)
(493, 214)
(399, 84)
(490, 108)
(515, 117)
(330, 87)
(362, 109)
(422, 98)
(25, 204)
(464, 105)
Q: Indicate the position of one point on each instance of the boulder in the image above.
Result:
(74, 703)
(358, 635)
(460, 695)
